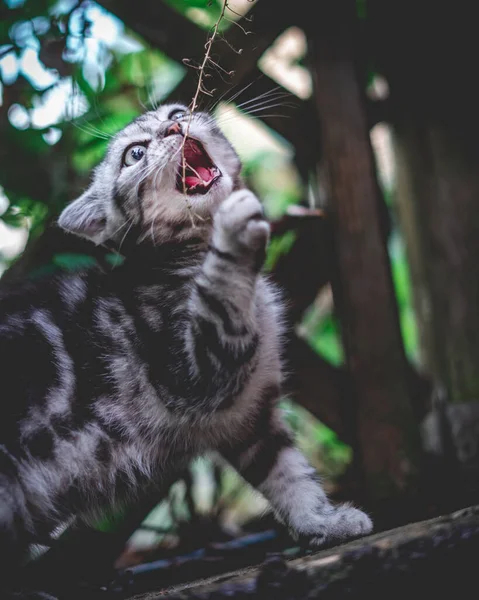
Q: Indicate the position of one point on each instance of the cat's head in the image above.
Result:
(139, 184)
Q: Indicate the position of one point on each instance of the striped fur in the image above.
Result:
(111, 380)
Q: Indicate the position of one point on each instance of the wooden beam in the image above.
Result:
(363, 290)
(433, 558)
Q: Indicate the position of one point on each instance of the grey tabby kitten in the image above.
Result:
(110, 380)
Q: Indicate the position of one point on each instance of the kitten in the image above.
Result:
(110, 380)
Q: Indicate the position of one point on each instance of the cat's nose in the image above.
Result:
(175, 128)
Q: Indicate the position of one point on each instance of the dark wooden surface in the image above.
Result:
(438, 556)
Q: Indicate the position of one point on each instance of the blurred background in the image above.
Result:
(357, 125)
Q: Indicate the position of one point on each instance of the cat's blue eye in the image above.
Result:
(133, 155)
(177, 114)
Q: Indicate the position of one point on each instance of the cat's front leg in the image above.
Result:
(222, 334)
(269, 460)
(237, 252)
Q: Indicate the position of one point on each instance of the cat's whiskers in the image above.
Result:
(149, 171)
(230, 115)
(86, 126)
(267, 100)
(125, 236)
(151, 99)
(91, 131)
(235, 95)
(152, 232)
(143, 105)
(265, 96)
(255, 109)
(265, 104)
(213, 105)
(263, 99)
(120, 228)
(155, 169)
(125, 185)
(159, 169)
(269, 116)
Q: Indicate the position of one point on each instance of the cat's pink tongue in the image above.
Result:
(205, 176)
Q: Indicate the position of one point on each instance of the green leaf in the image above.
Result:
(73, 262)
(402, 286)
(13, 219)
(361, 9)
(324, 336)
(115, 259)
(279, 246)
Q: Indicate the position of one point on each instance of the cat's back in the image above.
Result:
(69, 341)
(32, 319)
(52, 346)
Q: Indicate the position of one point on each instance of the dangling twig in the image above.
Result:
(201, 89)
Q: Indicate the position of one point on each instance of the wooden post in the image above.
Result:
(387, 438)
(436, 124)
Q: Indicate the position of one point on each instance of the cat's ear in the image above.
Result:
(85, 217)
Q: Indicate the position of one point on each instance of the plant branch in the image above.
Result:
(200, 88)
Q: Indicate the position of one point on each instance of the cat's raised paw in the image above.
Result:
(240, 223)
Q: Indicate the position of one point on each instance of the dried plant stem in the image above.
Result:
(194, 103)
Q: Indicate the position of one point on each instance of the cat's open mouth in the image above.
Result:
(200, 172)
